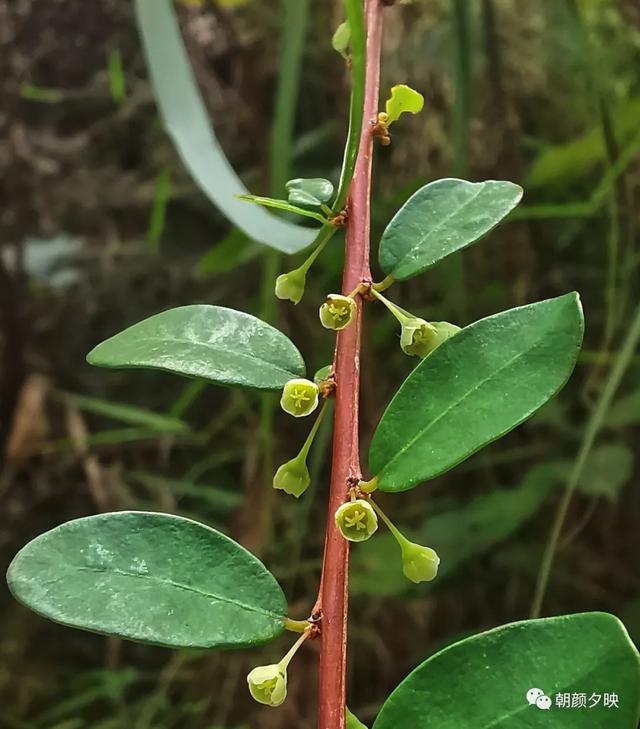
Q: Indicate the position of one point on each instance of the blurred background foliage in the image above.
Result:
(100, 226)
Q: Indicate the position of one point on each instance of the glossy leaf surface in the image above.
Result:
(474, 388)
(441, 218)
(211, 342)
(148, 577)
(482, 682)
(311, 191)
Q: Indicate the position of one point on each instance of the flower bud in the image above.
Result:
(356, 520)
(299, 397)
(337, 312)
(444, 331)
(293, 477)
(419, 564)
(291, 285)
(418, 337)
(268, 684)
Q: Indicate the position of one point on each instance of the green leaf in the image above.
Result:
(482, 682)
(354, 11)
(322, 373)
(342, 38)
(474, 388)
(153, 578)
(313, 191)
(211, 342)
(269, 202)
(129, 414)
(403, 99)
(607, 470)
(441, 218)
(352, 721)
(186, 121)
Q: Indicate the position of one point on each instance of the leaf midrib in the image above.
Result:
(180, 586)
(216, 349)
(441, 224)
(455, 404)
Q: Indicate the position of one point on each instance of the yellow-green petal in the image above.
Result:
(403, 99)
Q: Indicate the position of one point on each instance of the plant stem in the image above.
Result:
(306, 447)
(296, 626)
(400, 314)
(294, 649)
(332, 602)
(620, 366)
(397, 534)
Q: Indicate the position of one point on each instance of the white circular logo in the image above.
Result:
(534, 694)
(544, 703)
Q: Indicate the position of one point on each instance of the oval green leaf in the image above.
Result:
(311, 191)
(211, 342)
(482, 682)
(153, 578)
(441, 218)
(474, 388)
(342, 38)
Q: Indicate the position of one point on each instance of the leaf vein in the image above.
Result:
(180, 586)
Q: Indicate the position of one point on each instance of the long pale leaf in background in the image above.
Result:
(153, 578)
(186, 121)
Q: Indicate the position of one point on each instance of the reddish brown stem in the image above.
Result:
(333, 599)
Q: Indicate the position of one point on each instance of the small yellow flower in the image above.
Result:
(337, 312)
(419, 564)
(417, 337)
(356, 520)
(420, 338)
(299, 397)
(291, 285)
(268, 684)
(293, 477)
